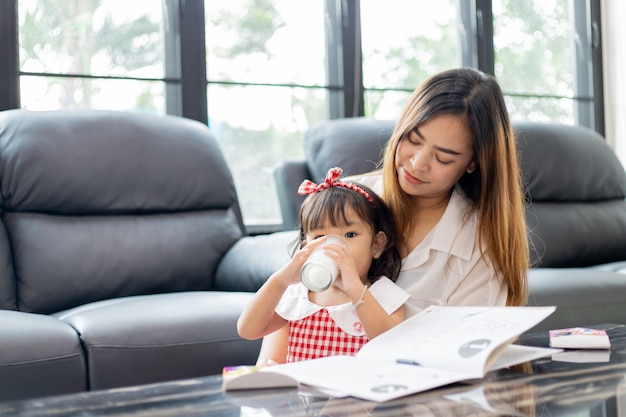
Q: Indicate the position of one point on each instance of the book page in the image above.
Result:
(372, 380)
(382, 380)
(450, 344)
(458, 339)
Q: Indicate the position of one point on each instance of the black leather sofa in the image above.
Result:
(576, 214)
(114, 228)
(123, 258)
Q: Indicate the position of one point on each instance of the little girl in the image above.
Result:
(362, 303)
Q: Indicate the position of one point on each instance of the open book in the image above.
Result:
(439, 346)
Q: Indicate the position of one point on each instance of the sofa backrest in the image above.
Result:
(576, 185)
(102, 204)
(354, 144)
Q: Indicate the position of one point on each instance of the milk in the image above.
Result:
(319, 271)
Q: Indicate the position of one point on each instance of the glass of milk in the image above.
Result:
(319, 271)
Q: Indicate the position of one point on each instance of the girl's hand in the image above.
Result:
(290, 272)
(263, 362)
(259, 318)
(349, 280)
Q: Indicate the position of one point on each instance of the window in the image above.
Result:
(260, 72)
(538, 46)
(104, 54)
(266, 85)
(541, 53)
(402, 49)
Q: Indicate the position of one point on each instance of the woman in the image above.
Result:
(451, 178)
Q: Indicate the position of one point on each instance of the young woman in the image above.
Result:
(363, 301)
(451, 178)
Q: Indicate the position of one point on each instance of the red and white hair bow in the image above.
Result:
(309, 187)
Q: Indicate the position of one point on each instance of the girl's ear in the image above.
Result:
(472, 167)
(378, 245)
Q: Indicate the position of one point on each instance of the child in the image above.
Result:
(362, 303)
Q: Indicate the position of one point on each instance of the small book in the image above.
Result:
(583, 356)
(579, 338)
(252, 377)
(439, 346)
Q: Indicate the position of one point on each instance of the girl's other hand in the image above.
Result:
(349, 280)
(263, 362)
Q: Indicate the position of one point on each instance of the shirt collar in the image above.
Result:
(449, 234)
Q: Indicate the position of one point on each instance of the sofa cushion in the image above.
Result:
(617, 267)
(66, 261)
(576, 234)
(39, 356)
(146, 339)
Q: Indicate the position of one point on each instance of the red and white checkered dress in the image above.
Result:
(316, 331)
(318, 335)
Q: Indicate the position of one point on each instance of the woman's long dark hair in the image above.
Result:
(494, 187)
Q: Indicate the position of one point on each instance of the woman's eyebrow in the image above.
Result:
(448, 151)
(439, 148)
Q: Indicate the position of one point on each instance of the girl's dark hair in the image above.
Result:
(329, 207)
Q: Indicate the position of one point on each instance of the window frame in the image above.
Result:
(186, 83)
(9, 50)
(344, 70)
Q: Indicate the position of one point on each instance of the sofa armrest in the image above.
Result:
(251, 261)
(288, 176)
(583, 296)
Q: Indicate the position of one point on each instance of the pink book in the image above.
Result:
(579, 338)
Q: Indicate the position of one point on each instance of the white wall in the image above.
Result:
(614, 74)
